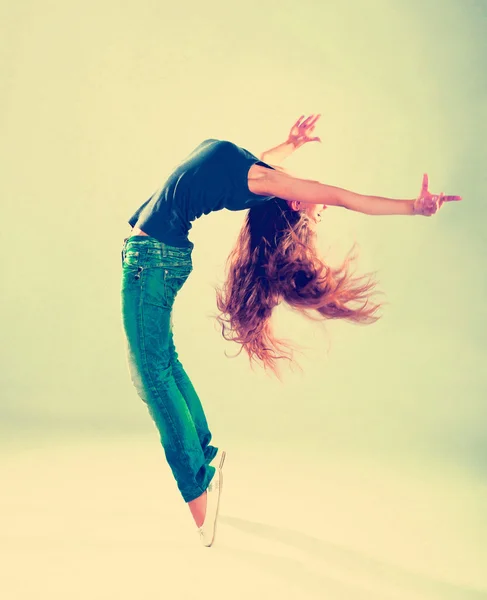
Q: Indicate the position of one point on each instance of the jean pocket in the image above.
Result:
(178, 272)
(174, 279)
(161, 286)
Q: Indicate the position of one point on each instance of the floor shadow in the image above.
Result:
(335, 559)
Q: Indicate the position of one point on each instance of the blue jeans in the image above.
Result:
(152, 275)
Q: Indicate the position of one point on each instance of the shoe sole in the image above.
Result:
(217, 507)
(222, 460)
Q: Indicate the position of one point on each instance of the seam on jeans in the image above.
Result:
(148, 372)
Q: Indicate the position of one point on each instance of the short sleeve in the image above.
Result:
(236, 162)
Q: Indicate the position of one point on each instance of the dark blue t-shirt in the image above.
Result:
(212, 177)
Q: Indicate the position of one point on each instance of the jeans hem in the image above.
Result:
(199, 491)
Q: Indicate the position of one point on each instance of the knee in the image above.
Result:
(151, 372)
(176, 364)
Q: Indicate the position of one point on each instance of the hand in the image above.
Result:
(301, 132)
(427, 204)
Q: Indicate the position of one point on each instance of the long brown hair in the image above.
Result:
(275, 259)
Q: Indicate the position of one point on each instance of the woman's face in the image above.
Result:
(313, 211)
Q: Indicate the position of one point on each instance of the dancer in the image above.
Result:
(274, 260)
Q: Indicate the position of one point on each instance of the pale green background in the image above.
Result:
(102, 99)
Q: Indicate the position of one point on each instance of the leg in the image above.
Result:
(192, 401)
(147, 326)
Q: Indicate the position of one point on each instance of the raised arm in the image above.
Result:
(300, 134)
(267, 182)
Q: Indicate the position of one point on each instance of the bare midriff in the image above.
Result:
(137, 231)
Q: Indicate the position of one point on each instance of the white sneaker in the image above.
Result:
(208, 529)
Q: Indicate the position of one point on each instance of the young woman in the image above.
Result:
(274, 260)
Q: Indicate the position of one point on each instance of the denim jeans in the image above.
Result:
(152, 275)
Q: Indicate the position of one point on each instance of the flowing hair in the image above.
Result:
(275, 259)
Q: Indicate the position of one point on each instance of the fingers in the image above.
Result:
(313, 122)
(442, 197)
(309, 122)
(306, 122)
(430, 206)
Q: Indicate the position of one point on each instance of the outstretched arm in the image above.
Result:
(301, 133)
(267, 182)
